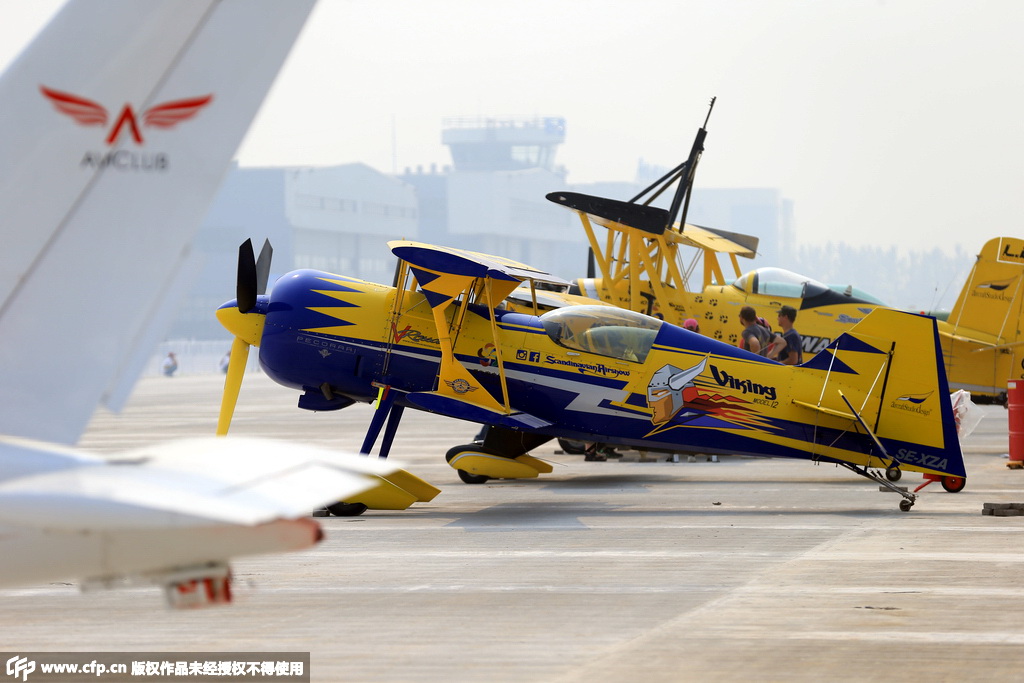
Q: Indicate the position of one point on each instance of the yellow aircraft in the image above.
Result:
(442, 340)
(641, 267)
(982, 338)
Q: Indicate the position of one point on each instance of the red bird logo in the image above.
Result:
(88, 113)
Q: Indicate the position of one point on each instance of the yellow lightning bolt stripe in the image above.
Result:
(334, 294)
(338, 312)
(346, 283)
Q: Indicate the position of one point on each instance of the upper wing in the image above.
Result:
(719, 241)
(613, 213)
(466, 263)
(623, 216)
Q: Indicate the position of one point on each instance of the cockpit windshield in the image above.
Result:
(850, 291)
(779, 282)
(604, 330)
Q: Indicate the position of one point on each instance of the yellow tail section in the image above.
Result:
(991, 299)
(890, 369)
(983, 342)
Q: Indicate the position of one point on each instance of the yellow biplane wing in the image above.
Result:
(446, 275)
(642, 245)
(639, 259)
(717, 241)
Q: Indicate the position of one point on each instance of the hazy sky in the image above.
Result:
(885, 121)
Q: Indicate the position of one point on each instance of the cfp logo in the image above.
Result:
(531, 356)
(20, 666)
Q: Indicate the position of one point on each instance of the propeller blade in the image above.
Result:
(232, 384)
(246, 285)
(263, 267)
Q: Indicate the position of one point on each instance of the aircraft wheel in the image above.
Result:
(468, 477)
(455, 451)
(572, 447)
(472, 478)
(894, 474)
(954, 484)
(346, 509)
(905, 505)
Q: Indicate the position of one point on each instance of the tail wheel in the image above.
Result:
(468, 478)
(954, 484)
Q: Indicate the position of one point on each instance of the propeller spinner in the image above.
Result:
(245, 324)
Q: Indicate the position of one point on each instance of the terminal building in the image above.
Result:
(490, 198)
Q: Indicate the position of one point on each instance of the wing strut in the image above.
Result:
(497, 344)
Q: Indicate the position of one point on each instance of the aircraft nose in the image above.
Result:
(246, 326)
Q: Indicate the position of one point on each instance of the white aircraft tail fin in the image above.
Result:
(115, 119)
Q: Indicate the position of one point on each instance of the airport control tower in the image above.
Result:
(489, 144)
(492, 197)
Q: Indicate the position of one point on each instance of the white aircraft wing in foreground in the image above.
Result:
(119, 122)
(172, 514)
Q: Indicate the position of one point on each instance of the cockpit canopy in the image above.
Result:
(859, 294)
(785, 283)
(779, 282)
(604, 330)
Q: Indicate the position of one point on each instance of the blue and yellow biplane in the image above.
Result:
(875, 401)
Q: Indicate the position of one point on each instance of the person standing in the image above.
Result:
(754, 337)
(788, 346)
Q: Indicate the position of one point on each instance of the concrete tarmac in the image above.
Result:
(744, 569)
